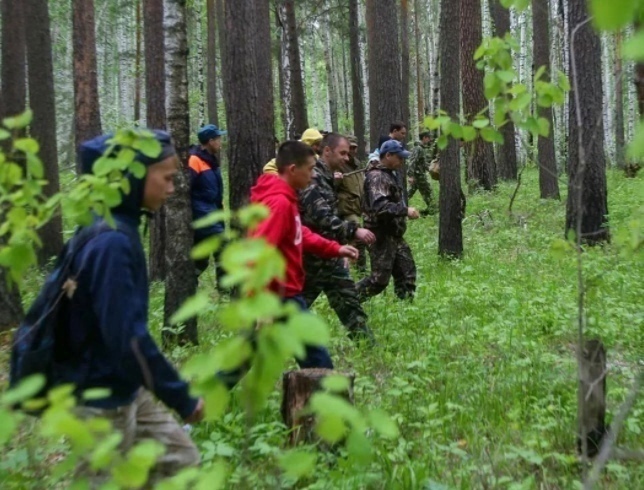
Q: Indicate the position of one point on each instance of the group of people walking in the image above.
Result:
(326, 209)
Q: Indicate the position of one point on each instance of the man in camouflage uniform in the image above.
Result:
(419, 161)
(386, 213)
(319, 212)
(350, 189)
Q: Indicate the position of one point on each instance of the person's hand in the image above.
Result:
(365, 236)
(349, 252)
(412, 213)
(338, 175)
(198, 413)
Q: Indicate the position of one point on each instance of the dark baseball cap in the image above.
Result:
(209, 132)
(395, 147)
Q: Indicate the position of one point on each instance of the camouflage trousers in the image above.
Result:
(332, 278)
(361, 263)
(422, 184)
(145, 418)
(390, 256)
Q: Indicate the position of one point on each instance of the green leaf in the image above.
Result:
(520, 102)
(150, 147)
(27, 145)
(104, 453)
(308, 328)
(8, 426)
(560, 248)
(383, 424)
(612, 15)
(252, 215)
(469, 133)
(213, 478)
(137, 169)
(330, 428)
(634, 48)
(359, 448)
(96, 393)
(481, 123)
(19, 122)
(192, 307)
(491, 135)
(336, 383)
(480, 52)
(216, 399)
(540, 73)
(4, 134)
(506, 76)
(297, 463)
(210, 219)
(544, 127)
(206, 248)
(563, 81)
(441, 142)
(26, 389)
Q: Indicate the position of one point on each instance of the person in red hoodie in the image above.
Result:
(283, 229)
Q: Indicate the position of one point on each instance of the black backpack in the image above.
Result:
(34, 349)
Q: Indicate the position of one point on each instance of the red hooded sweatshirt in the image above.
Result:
(283, 229)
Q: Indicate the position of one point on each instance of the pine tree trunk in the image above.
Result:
(181, 279)
(43, 103)
(87, 110)
(366, 92)
(251, 132)
(481, 169)
(284, 73)
(420, 91)
(155, 117)
(137, 64)
(384, 57)
(548, 182)
(451, 200)
(298, 98)
(332, 93)
(14, 87)
(639, 80)
(587, 163)
(507, 154)
(404, 46)
(356, 78)
(213, 116)
(620, 138)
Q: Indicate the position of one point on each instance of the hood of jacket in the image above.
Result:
(271, 185)
(209, 158)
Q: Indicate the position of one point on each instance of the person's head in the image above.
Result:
(335, 151)
(313, 138)
(425, 137)
(353, 146)
(295, 162)
(149, 192)
(392, 154)
(210, 138)
(398, 131)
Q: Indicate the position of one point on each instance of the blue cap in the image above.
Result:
(209, 132)
(395, 147)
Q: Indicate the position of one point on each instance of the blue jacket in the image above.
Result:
(108, 318)
(206, 189)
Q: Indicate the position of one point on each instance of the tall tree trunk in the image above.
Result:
(14, 94)
(332, 92)
(639, 78)
(356, 78)
(404, 46)
(213, 116)
(548, 182)
(155, 117)
(137, 64)
(251, 132)
(587, 163)
(181, 279)
(451, 200)
(87, 110)
(284, 72)
(298, 99)
(620, 138)
(481, 169)
(201, 85)
(42, 100)
(507, 154)
(420, 91)
(384, 56)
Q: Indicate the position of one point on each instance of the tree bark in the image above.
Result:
(507, 154)
(420, 91)
(546, 159)
(333, 94)
(213, 116)
(451, 200)
(404, 46)
(155, 117)
(620, 138)
(385, 94)
(356, 79)
(481, 171)
(298, 99)
(43, 103)
(181, 279)
(639, 79)
(137, 64)
(87, 109)
(14, 88)
(247, 83)
(587, 163)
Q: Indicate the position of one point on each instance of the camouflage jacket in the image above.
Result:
(350, 190)
(421, 157)
(384, 209)
(319, 207)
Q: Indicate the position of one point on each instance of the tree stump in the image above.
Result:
(299, 386)
(592, 397)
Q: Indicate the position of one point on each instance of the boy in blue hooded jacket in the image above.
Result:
(107, 319)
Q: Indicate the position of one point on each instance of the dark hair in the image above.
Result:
(425, 134)
(382, 139)
(397, 126)
(332, 140)
(293, 153)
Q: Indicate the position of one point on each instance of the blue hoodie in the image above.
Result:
(108, 313)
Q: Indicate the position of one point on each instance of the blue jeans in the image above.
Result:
(316, 356)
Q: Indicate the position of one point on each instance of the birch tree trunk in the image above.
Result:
(213, 115)
(331, 89)
(404, 46)
(620, 138)
(181, 279)
(420, 91)
(356, 78)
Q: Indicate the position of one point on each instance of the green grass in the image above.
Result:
(479, 372)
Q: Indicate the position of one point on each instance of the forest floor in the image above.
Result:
(480, 371)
